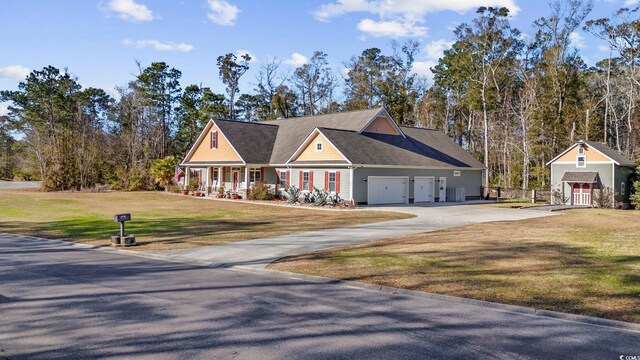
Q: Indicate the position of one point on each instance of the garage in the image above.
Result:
(423, 188)
(387, 190)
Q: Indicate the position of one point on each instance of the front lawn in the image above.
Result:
(161, 221)
(583, 261)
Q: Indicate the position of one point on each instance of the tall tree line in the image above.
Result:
(513, 101)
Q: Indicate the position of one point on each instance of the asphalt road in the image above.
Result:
(64, 301)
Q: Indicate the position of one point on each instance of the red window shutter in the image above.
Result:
(211, 139)
(216, 139)
(326, 180)
(310, 180)
(337, 181)
(288, 178)
(277, 179)
(262, 174)
(301, 181)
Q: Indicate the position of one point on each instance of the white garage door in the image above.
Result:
(387, 190)
(423, 188)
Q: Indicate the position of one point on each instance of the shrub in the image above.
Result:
(603, 197)
(557, 199)
(292, 193)
(221, 190)
(320, 197)
(194, 183)
(163, 170)
(259, 191)
(634, 197)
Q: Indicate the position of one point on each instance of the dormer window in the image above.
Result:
(319, 146)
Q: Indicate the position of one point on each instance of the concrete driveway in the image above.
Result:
(260, 252)
(15, 185)
(59, 300)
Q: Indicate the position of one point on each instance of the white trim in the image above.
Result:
(613, 184)
(573, 162)
(433, 189)
(583, 143)
(584, 162)
(388, 177)
(321, 146)
(351, 183)
(416, 167)
(306, 141)
(388, 116)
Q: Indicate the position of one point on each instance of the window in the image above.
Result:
(283, 179)
(214, 139)
(319, 146)
(305, 181)
(581, 150)
(623, 188)
(581, 161)
(255, 175)
(456, 173)
(332, 182)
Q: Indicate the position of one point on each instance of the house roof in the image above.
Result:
(274, 142)
(600, 147)
(420, 147)
(580, 176)
(253, 141)
(293, 131)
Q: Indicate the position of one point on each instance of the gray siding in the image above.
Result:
(470, 180)
(605, 173)
(622, 175)
(318, 179)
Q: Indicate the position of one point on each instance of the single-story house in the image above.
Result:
(362, 156)
(589, 165)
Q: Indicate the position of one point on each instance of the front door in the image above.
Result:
(442, 189)
(236, 176)
(581, 194)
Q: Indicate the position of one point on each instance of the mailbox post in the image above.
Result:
(122, 239)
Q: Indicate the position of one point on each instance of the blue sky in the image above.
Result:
(99, 40)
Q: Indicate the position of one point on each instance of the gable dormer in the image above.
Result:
(382, 123)
(316, 148)
(212, 145)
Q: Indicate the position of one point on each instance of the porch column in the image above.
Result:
(246, 181)
(208, 180)
(187, 176)
(220, 177)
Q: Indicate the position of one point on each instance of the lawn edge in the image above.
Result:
(524, 310)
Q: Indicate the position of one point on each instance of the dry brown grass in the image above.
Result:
(583, 261)
(161, 221)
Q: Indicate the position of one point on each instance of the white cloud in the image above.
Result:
(631, 2)
(4, 109)
(400, 18)
(296, 59)
(240, 53)
(435, 49)
(113, 91)
(391, 28)
(130, 10)
(423, 68)
(14, 72)
(158, 46)
(222, 13)
(604, 48)
(577, 40)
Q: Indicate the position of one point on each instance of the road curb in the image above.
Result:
(596, 321)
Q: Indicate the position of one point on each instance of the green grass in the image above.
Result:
(583, 261)
(162, 221)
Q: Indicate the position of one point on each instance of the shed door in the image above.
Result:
(423, 189)
(387, 190)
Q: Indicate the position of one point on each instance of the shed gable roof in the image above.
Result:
(600, 147)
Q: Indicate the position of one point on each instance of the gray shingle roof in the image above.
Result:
(610, 153)
(421, 147)
(580, 176)
(293, 131)
(253, 141)
(273, 142)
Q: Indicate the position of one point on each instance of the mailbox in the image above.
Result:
(122, 217)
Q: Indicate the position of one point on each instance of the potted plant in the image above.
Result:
(194, 184)
(235, 196)
(220, 193)
(185, 190)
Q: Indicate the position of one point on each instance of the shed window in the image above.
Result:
(581, 150)
(581, 161)
(623, 188)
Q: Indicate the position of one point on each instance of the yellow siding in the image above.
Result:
(224, 152)
(381, 125)
(592, 155)
(329, 152)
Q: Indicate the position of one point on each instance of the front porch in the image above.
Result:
(233, 178)
(581, 184)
